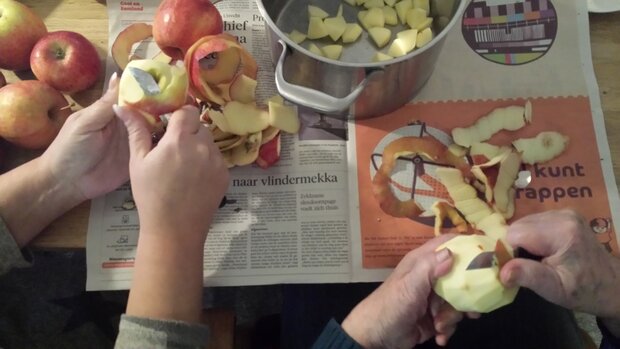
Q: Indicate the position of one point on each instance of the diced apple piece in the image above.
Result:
(351, 33)
(243, 119)
(243, 89)
(316, 28)
(374, 18)
(350, 2)
(269, 152)
(404, 43)
(336, 26)
(415, 18)
(284, 117)
(381, 36)
(247, 152)
(424, 37)
(374, 4)
(297, 36)
(121, 48)
(339, 12)
(402, 8)
(360, 17)
(380, 57)
(398, 48)
(422, 4)
(390, 16)
(315, 11)
(315, 49)
(390, 3)
(332, 51)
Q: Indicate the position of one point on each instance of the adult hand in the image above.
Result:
(90, 155)
(404, 311)
(575, 272)
(179, 184)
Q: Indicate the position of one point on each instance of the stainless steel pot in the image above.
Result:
(352, 86)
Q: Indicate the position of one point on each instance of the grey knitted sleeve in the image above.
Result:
(139, 333)
(10, 254)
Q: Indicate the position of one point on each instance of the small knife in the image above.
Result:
(482, 261)
(145, 80)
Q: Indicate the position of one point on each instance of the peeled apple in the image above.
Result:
(476, 290)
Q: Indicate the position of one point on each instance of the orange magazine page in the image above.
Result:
(574, 179)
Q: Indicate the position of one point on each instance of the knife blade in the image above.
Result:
(145, 80)
(482, 261)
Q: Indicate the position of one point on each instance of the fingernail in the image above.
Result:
(443, 255)
(112, 81)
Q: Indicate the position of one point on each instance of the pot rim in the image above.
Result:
(457, 15)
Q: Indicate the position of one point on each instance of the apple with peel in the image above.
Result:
(269, 153)
(32, 113)
(134, 33)
(473, 283)
(171, 80)
(20, 29)
(2, 80)
(65, 60)
(178, 24)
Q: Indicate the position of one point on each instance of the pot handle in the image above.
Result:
(313, 99)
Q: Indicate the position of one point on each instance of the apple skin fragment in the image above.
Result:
(509, 118)
(542, 148)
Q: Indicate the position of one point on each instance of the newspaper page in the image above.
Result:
(502, 53)
(288, 223)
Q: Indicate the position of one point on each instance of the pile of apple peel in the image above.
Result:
(374, 16)
(219, 75)
(482, 197)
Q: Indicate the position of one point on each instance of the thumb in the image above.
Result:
(536, 276)
(99, 114)
(140, 140)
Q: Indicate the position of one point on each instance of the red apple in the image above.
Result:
(180, 23)
(65, 60)
(32, 113)
(2, 80)
(20, 29)
(269, 153)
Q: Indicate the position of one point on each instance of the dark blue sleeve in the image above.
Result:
(609, 341)
(334, 337)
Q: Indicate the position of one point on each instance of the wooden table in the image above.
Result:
(89, 17)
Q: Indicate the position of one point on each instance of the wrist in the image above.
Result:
(355, 326)
(168, 276)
